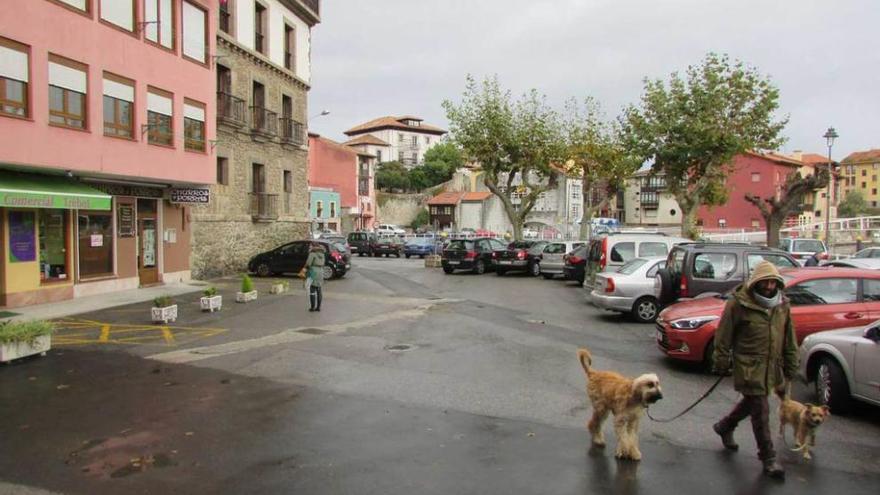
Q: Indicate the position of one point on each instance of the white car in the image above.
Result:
(389, 229)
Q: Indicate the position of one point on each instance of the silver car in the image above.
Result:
(872, 252)
(843, 364)
(553, 257)
(630, 289)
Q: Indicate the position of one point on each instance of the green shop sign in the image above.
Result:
(20, 190)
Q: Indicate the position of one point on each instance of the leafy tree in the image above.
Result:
(392, 176)
(422, 219)
(418, 179)
(596, 153)
(852, 205)
(510, 140)
(441, 162)
(777, 208)
(692, 127)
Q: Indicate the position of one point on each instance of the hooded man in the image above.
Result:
(756, 341)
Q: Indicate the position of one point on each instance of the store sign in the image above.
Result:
(190, 195)
(125, 220)
(16, 199)
(128, 190)
(22, 236)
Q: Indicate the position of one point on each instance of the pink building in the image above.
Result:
(348, 171)
(106, 135)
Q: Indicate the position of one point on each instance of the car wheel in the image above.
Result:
(547, 276)
(500, 272)
(709, 356)
(398, 255)
(328, 272)
(407, 256)
(480, 267)
(422, 256)
(667, 286)
(535, 269)
(645, 309)
(447, 270)
(831, 387)
(263, 270)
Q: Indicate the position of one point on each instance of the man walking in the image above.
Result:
(755, 339)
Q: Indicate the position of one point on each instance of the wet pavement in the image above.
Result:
(409, 381)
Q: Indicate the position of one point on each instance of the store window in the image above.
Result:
(52, 228)
(95, 242)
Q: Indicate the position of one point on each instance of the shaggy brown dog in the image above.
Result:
(803, 418)
(625, 398)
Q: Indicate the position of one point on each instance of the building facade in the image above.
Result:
(407, 137)
(646, 201)
(349, 172)
(106, 119)
(324, 209)
(261, 194)
(859, 172)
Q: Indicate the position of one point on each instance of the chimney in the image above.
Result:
(797, 155)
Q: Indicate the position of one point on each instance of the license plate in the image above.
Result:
(504, 262)
(453, 262)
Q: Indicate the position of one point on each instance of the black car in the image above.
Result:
(476, 255)
(387, 245)
(575, 262)
(360, 242)
(291, 257)
(524, 256)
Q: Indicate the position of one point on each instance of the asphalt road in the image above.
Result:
(408, 381)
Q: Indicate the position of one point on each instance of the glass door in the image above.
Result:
(148, 242)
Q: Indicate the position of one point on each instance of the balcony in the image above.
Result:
(230, 110)
(292, 132)
(224, 18)
(264, 207)
(264, 121)
(364, 185)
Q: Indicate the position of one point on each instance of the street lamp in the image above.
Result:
(830, 136)
(323, 113)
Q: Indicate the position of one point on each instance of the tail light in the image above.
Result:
(494, 255)
(575, 260)
(520, 255)
(683, 287)
(336, 256)
(609, 285)
(470, 255)
(602, 260)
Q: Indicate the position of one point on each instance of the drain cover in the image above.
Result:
(312, 331)
(398, 347)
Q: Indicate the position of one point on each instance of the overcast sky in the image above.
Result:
(372, 58)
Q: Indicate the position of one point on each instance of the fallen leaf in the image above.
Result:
(190, 433)
(530, 434)
(62, 387)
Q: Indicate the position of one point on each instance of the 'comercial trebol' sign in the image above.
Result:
(49, 200)
(190, 195)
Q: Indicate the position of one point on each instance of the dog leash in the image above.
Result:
(706, 394)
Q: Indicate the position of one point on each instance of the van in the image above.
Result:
(609, 252)
(361, 243)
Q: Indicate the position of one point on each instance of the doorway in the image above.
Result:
(148, 241)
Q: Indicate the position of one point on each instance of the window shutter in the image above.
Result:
(67, 77)
(13, 64)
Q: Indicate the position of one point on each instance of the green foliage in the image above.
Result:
(24, 331)
(247, 285)
(162, 301)
(392, 175)
(210, 292)
(441, 162)
(852, 205)
(422, 219)
(692, 127)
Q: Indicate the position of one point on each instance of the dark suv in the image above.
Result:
(291, 257)
(695, 268)
(476, 255)
(520, 256)
(360, 242)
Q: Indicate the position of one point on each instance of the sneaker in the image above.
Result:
(773, 469)
(726, 437)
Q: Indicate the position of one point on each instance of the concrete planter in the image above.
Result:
(211, 303)
(164, 315)
(18, 350)
(433, 261)
(278, 288)
(244, 297)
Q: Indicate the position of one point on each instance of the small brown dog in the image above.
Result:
(626, 398)
(803, 418)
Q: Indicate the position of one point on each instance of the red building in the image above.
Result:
(350, 173)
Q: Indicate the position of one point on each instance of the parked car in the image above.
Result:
(337, 239)
(630, 289)
(520, 256)
(575, 262)
(389, 229)
(291, 257)
(803, 249)
(553, 257)
(609, 252)
(842, 365)
(387, 245)
(476, 255)
(360, 242)
(872, 252)
(418, 246)
(695, 268)
(820, 298)
(865, 263)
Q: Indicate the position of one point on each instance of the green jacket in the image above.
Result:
(315, 268)
(761, 342)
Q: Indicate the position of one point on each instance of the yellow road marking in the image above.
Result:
(105, 334)
(74, 332)
(167, 335)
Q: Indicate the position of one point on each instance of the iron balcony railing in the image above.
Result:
(264, 206)
(224, 18)
(230, 108)
(292, 131)
(265, 121)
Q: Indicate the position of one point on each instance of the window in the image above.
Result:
(159, 22)
(400, 156)
(287, 186)
(400, 137)
(874, 178)
(119, 13)
(752, 261)
(13, 78)
(871, 290)
(82, 5)
(226, 16)
(714, 266)
(333, 209)
(222, 170)
(874, 191)
(194, 29)
(823, 291)
(623, 251)
(67, 93)
(289, 46)
(756, 224)
(319, 208)
(118, 107)
(756, 177)
(864, 172)
(415, 140)
(631, 266)
(555, 248)
(722, 223)
(379, 156)
(159, 117)
(649, 249)
(193, 125)
(864, 185)
(652, 272)
(95, 242)
(53, 244)
(260, 44)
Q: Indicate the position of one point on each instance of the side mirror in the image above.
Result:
(872, 334)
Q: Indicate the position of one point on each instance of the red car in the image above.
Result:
(823, 298)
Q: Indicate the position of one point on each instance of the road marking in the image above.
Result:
(75, 332)
(105, 334)
(167, 335)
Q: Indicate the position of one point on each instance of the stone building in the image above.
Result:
(405, 138)
(261, 194)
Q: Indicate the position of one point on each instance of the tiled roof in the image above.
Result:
(860, 156)
(391, 122)
(813, 158)
(476, 196)
(776, 157)
(334, 144)
(446, 198)
(366, 139)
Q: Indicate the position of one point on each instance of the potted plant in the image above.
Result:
(163, 310)
(19, 339)
(248, 293)
(280, 287)
(210, 300)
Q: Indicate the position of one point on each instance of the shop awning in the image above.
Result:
(23, 190)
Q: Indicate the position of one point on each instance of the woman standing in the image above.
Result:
(315, 276)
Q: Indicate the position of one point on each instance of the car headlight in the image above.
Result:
(692, 323)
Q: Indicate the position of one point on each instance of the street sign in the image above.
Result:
(190, 195)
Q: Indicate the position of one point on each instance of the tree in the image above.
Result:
(514, 143)
(445, 158)
(596, 153)
(392, 175)
(776, 209)
(422, 219)
(692, 128)
(853, 205)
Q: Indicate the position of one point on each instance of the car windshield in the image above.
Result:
(520, 245)
(461, 245)
(808, 246)
(631, 266)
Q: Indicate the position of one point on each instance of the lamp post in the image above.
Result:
(830, 136)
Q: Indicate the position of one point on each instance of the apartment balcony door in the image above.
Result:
(148, 241)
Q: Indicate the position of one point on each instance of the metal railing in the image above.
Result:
(265, 121)
(292, 131)
(224, 19)
(264, 206)
(230, 108)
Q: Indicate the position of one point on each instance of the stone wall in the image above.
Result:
(399, 209)
(224, 247)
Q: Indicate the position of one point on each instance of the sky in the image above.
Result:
(372, 58)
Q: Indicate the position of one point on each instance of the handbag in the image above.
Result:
(302, 273)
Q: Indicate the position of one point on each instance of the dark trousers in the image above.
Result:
(315, 297)
(758, 408)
